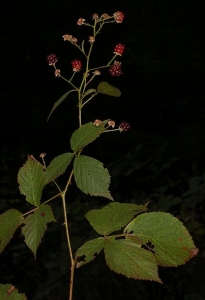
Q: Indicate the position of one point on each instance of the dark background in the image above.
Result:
(161, 159)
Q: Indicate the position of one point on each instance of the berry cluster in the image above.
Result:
(51, 59)
(119, 16)
(119, 49)
(76, 65)
(124, 126)
(115, 70)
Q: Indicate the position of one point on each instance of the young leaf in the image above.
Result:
(9, 222)
(36, 225)
(85, 135)
(113, 216)
(60, 100)
(129, 259)
(31, 181)
(91, 177)
(58, 166)
(172, 243)
(89, 250)
(106, 88)
(89, 92)
(9, 292)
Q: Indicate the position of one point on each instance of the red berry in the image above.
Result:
(118, 16)
(119, 49)
(115, 71)
(76, 65)
(52, 59)
(124, 126)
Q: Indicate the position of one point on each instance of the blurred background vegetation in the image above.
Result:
(160, 160)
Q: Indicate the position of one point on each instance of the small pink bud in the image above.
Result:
(81, 21)
(91, 39)
(105, 16)
(111, 123)
(97, 122)
(95, 17)
(96, 72)
(67, 37)
(117, 63)
(57, 72)
(74, 40)
(42, 155)
(118, 16)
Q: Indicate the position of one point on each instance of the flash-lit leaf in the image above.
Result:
(127, 258)
(172, 243)
(58, 166)
(9, 222)
(9, 292)
(85, 135)
(91, 177)
(89, 250)
(113, 216)
(31, 181)
(36, 225)
(106, 88)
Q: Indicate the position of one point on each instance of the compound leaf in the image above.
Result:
(113, 216)
(9, 292)
(31, 180)
(9, 222)
(90, 249)
(58, 166)
(127, 258)
(36, 225)
(91, 177)
(171, 242)
(106, 88)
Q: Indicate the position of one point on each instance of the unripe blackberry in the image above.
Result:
(76, 65)
(52, 59)
(118, 16)
(124, 126)
(115, 71)
(119, 49)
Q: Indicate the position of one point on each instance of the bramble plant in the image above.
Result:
(135, 242)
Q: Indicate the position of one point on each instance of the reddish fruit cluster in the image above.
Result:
(119, 49)
(52, 59)
(124, 126)
(76, 65)
(118, 16)
(115, 71)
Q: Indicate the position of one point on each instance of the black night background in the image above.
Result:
(161, 159)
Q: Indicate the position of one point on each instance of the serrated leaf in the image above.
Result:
(86, 134)
(91, 177)
(59, 101)
(58, 166)
(9, 222)
(106, 88)
(89, 250)
(31, 181)
(127, 258)
(36, 225)
(172, 243)
(89, 92)
(9, 292)
(113, 216)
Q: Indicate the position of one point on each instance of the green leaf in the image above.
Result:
(86, 134)
(58, 166)
(9, 292)
(172, 243)
(60, 100)
(106, 88)
(9, 222)
(113, 216)
(89, 92)
(36, 225)
(91, 177)
(89, 250)
(31, 181)
(129, 259)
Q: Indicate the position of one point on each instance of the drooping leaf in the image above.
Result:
(9, 292)
(31, 181)
(90, 91)
(89, 250)
(91, 177)
(85, 135)
(60, 100)
(106, 88)
(9, 222)
(36, 225)
(58, 166)
(171, 242)
(113, 216)
(127, 258)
